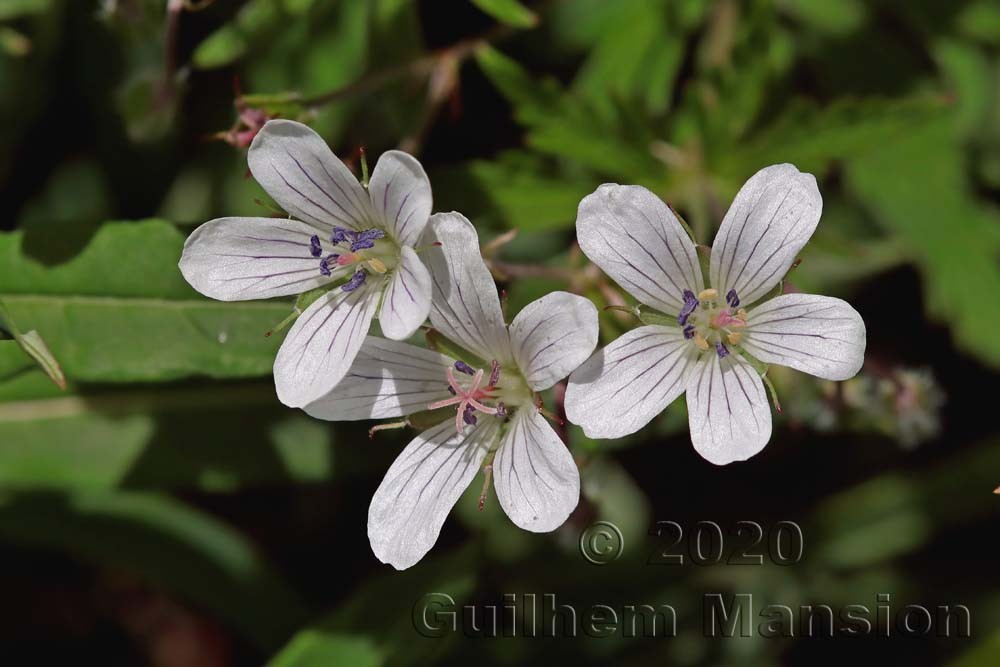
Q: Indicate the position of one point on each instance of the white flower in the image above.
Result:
(636, 239)
(340, 232)
(535, 477)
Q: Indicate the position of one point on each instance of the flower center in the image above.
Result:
(708, 321)
(367, 249)
(472, 396)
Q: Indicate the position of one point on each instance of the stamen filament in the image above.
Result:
(774, 393)
(455, 400)
(482, 408)
(488, 471)
(548, 415)
(384, 427)
(283, 323)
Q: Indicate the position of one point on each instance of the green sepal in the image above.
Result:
(684, 224)
(655, 317)
(307, 299)
(705, 260)
(761, 369)
(777, 290)
(757, 364)
(437, 342)
(33, 343)
(631, 310)
(425, 419)
(364, 168)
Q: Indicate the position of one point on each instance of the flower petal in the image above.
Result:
(387, 379)
(728, 413)
(535, 477)
(465, 306)
(637, 240)
(300, 172)
(322, 344)
(401, 196)
(769, 222)
(623, 386)
(234, 259)
(819, 335)
(422, 485)
(553, 335)
(407, 300)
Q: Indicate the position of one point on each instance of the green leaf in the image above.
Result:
(565, 126)
(375, 625)
(980, 20)
(77, 191)
(119, 310)
(916, 188)
(12, 9)
(13, 43)
(835, 18)
(896, 513)
(522, 192)
(13, 359)
(983, 654)
(616, 496)
(511, 12)
(217, 438)
(231, 41)
(636, 57)
(168, 544)
(812, 138)
(533, 100)
(969, 72)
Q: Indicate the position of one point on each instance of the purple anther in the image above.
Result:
(339, 235)
(451, 390)
(365, 239)
(324, 266)
(369, 235)
(501, 409)
(721, 350)
(686, 311)
(689, 331)
(494, 373)
(463, 367)
(314, 247)
(689, 297)
(356, 281)
(732, 299)
(469, 416)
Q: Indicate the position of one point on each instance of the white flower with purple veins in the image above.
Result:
(357, 241)
(724, 332)
(497, 423)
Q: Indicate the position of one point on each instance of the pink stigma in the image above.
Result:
(726, 319)
(466, 398)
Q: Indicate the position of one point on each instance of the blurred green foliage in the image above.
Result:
(518, 109)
